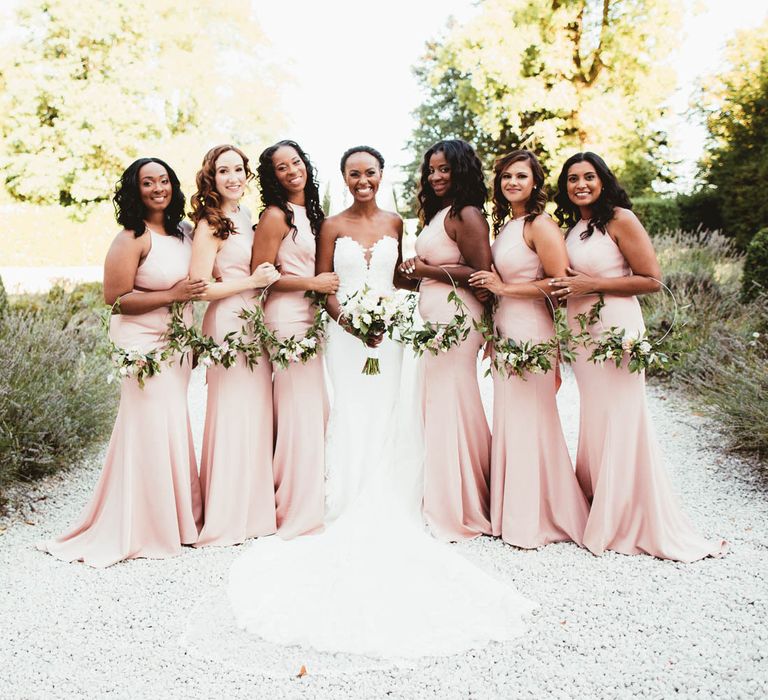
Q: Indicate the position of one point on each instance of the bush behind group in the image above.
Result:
(55, 402)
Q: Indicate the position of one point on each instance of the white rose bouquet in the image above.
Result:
(370, 314)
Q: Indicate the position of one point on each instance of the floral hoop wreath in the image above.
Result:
(132, 363)
(512, 358)
(441, 337)
(614, 344)
(283, 352)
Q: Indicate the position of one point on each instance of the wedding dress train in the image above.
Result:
(374, 583)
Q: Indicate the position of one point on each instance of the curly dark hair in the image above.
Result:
(467, 181)
(130, 210)
(273, 194)
(361, 149)
(612, 196)
(536, 202)
(206, 201)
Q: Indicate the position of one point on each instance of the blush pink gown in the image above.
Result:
(236, 462)
(535, 497)
(299, 396)
(618, 464)
(457, 440)
(147, 501)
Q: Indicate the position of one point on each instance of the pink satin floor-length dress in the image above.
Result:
(457, 439)
(535, 497)
(236, 462)
(299, 395)
(147, 501)
(618, 464)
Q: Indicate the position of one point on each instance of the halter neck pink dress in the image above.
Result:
(147, 501)
(618, 464)
(236, 462)
(535, 497)
(457, 440)
(299, 395)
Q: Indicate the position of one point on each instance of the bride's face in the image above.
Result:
(362, 174)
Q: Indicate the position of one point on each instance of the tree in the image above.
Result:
(734, 104)
(555, 76)
(88, 87)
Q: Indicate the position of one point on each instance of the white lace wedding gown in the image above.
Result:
(375, 582)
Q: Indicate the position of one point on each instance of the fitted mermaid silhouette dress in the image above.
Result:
(618, 464)
(374, 582)
(535, 497)
(147, 501)
(456, 434)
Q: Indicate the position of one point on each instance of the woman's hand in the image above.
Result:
(374, 340)
(413, 267)
(487, 279)
(264, 275)
(575, 285)
(325, 283)
(188, 290)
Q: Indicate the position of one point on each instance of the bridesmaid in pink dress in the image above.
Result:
(285, 236)
(236, 462)
(535, 497)
(633, 509)
(453, 244)
(147, 502)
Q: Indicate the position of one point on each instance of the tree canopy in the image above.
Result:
(88, 87)
(734, 104)
(556, 76)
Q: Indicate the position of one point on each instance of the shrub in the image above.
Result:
(700, 210)
(54, 398)
(718, 344)
(658, 214)
(755, 279)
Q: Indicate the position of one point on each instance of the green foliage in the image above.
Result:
(326, 203)
(718, 344)
(54, 398)
(556, 77)
(700, 210)
(735, 106)
(657, 214)
(89, 87)
(755, 280)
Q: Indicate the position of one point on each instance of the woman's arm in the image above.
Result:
(326, 242)
(269, 235)
(205, 246)
(120, 266)
(636, 247)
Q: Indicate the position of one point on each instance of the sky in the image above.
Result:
(353, 84)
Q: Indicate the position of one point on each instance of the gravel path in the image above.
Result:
(609, 627)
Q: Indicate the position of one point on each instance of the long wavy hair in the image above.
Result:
(273, 194)
(536, 202)
(611, 196)
(130, 211)
(467, 181)
(206, 201)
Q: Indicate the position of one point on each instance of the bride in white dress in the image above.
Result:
(374, 582)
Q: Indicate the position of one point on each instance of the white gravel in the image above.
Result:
(609, 627)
